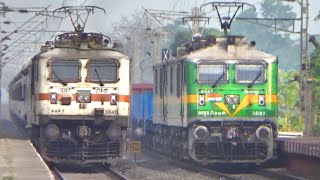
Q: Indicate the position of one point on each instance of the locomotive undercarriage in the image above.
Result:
(225, 142)
(172, 141)
(80, 141)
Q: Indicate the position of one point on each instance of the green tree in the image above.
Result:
(276, 9)
(289, 119)
(315, 58)
(268, 39)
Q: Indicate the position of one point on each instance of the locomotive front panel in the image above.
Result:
(232, 108)
(82, 106)
(86, 88)
(242, 89)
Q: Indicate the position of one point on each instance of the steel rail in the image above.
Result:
(116, 174)
(56, 173)
(278, 175)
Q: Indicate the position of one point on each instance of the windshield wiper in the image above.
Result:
(254, 80)
(95, 70)
(59, 79)
(215, 83)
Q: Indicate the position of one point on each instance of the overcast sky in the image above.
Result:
(118, 8)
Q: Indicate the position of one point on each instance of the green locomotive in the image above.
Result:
(216, 102)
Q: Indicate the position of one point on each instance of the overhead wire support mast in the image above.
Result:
(196, 18)
(306, 80)
(170, 15)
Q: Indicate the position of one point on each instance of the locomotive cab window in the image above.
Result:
(250, 73)
(64, 71)
(101, 71)
(212, 74)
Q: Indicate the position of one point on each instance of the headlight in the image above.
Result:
(236, 99)
(228, 99)
(83, 98)
(80, 98)
(86, 97)
(232, 99)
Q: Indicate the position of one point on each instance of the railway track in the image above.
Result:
(248, 174)
(275, 173)
(218, 175)
(259, 174)
(117, 175)
(99, 172)
(278, 175)
(195, 168)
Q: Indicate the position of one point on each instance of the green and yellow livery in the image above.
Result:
(217, 103)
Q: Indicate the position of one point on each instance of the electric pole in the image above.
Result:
(306, 80)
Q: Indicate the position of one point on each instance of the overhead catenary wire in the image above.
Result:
(26, 25)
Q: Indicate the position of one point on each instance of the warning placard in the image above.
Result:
(135, 146)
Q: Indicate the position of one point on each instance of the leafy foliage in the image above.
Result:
(315, 58)
(268, 39)
(289, 119)
(276, 9)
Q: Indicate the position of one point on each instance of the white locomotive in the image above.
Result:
(74, 98)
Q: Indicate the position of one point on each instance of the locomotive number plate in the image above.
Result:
(101, 90)
(110, 112)
(57, 110)
(65, 90)
(258, 113)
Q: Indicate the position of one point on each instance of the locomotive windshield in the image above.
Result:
(64, 71)
(250, 73)
(212, 74)
(102, 71)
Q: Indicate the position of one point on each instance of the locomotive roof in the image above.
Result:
(240, 50)
(83, 41)
(74, 53)
(81, 45)
(224, 49)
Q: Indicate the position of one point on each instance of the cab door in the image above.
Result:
(164, 94)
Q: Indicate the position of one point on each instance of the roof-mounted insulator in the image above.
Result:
(252, 43)
(231, 40)
(231, 46)
(49, 43)
(211, 40)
